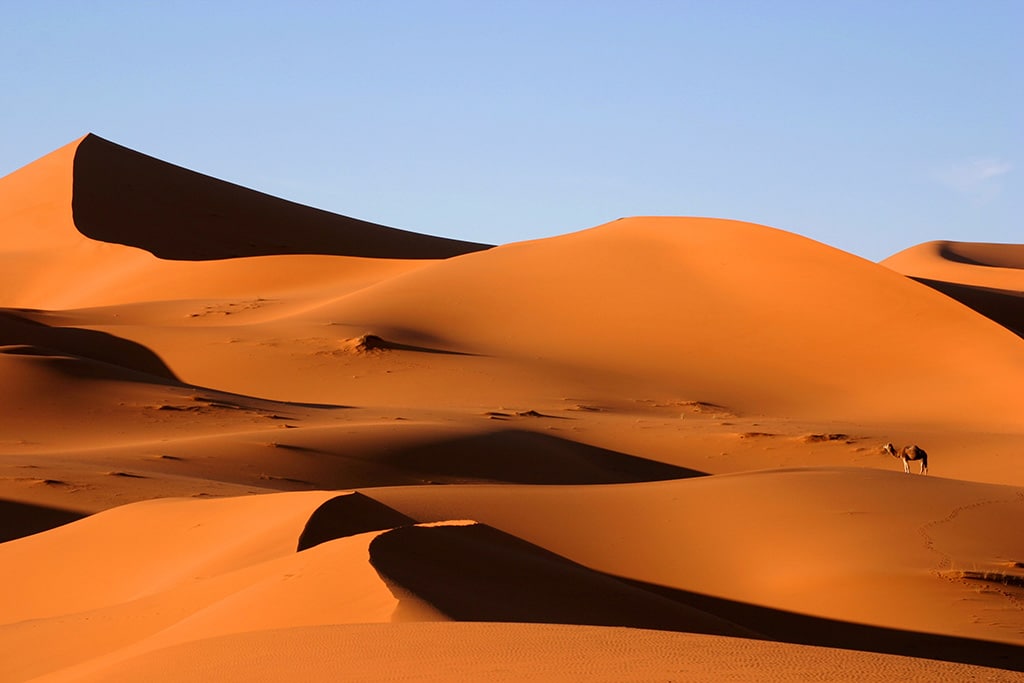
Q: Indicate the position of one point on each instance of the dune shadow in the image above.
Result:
(125, 197)
(300, 404)
(29, 337)
(519, 456)
(227, 399)
(950, 253)
(1001, 306)
(121, 358)
(18, 520)
(474, 572)
(478, 573)
(346, 515)
(802, 629)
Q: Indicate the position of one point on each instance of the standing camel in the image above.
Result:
(908, 453)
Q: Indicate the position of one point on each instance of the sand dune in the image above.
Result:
(781, 539)
(84, 217)
(244, 438)
(720, 299)
(112, 194)
(913, 586)
(999, 266)
(988, 278)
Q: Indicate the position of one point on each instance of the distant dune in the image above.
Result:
(247, 439)
(988, 278)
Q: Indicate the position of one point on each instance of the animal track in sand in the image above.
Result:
(946, 560)
(1005, 579)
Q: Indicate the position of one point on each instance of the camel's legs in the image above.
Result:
(924, 467)
(906, 465)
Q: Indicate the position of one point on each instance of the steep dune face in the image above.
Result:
(153, 200)
(95, 223)
(988, 278)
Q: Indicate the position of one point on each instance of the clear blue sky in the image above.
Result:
(868, 125)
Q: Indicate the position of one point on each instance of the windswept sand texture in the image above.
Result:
(645, 451)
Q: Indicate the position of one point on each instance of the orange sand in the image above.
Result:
(659, 439)
(989, 278)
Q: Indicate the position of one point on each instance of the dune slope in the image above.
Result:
(877, 562)
(988, 278)
(742, 315)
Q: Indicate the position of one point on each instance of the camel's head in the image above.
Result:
(890, 449)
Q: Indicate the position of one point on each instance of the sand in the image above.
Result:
(248, 439)
(988, 278)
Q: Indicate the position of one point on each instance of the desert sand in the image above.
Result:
(245, 439)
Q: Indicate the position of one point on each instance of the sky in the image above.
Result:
(868, 125)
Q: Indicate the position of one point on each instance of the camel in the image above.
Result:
(908, 453)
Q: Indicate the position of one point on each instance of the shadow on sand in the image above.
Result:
(520, 456)
(24, 519)
(116, 190)
(29, 337)
(478, 573)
